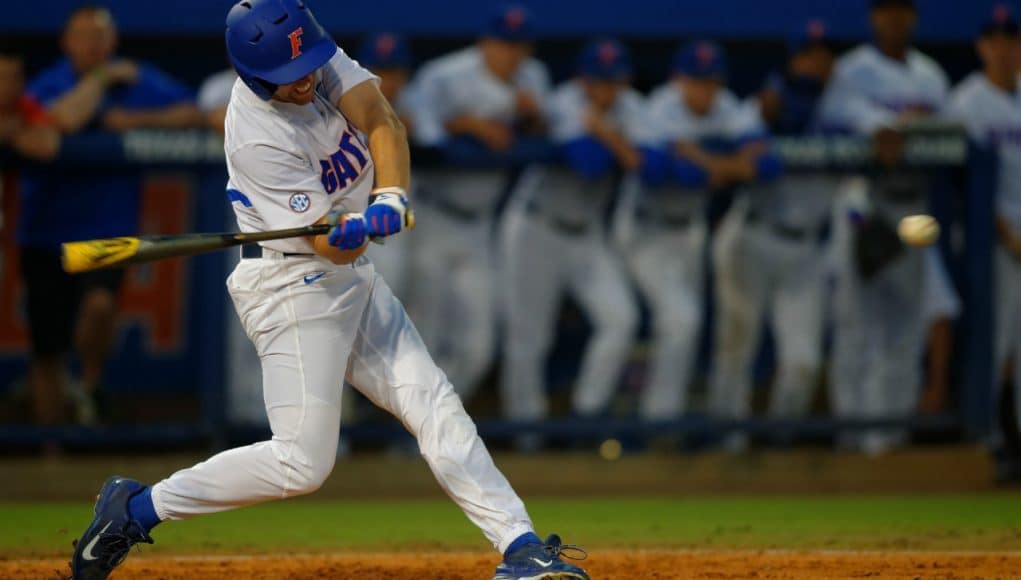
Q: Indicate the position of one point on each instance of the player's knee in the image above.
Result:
(679, 326)
(446, 433)
(619, 321)
(307, 467)
(308, 478)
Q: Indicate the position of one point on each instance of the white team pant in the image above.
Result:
(539, 265)
(668, 268)
(878, 342)
(757, 271)
(453, 272)
(1008, 321)
(310, 337)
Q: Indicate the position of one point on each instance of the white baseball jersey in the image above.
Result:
(460, 84)
(992, 117)
(869, 89)
(290, 165)
(668, 120)
(563, 193)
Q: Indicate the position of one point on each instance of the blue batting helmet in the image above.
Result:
(605, 59)
(385, 50)
(701, 59)
(275, 42)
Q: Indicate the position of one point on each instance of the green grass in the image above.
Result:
(986, 522)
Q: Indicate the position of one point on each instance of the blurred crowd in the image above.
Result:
(618, 221)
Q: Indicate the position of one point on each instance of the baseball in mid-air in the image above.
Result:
(919, 230)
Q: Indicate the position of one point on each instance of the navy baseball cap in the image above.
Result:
(884, 3)
(384, 50)
(815, 34)
(1001, 21)
(510, 23)
(701, 59)
(605, 59)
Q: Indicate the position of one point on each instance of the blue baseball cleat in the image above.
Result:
(108, 539)
(542, 562)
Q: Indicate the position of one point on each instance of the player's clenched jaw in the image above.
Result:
(300, 92)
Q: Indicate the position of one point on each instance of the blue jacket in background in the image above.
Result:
(64, 204)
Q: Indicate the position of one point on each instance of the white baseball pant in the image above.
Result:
(668, 268)
(758, 271)
(310, 337)
(540, 264)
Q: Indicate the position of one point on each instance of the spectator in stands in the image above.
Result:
(24, 125)
(480, 100)
(887, 294)
(986, 103)
(89, 89)
(768, 252)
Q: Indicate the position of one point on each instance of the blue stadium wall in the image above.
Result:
(940, 19)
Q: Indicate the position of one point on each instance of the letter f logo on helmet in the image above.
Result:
(296, 42)
(275, 42)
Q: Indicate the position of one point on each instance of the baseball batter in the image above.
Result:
(483, 98)
(768, 251)
(691, 143)
(589, 120)
(988, 103)
(880, 319)
(314, 307)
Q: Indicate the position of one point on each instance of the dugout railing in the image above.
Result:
(962, 200)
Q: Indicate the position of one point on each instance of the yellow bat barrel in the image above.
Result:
(95, 254)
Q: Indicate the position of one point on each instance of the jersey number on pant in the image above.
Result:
(339, 171)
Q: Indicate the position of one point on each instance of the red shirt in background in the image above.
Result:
(31, 112)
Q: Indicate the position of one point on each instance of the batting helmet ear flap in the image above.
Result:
(262, 89)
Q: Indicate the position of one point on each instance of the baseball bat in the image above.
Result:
(91, 255)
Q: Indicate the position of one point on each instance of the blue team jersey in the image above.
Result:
(64, 204)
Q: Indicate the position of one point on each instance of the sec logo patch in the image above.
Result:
(300, 202)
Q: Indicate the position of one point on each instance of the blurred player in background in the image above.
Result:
(692, 145)
(768, 252)
(486, 95)
(887, 293)
(213, 97)
(560, 244)
(989, 106)
(388, 56)
(89, 89)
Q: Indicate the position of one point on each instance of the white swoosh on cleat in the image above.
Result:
(541, 563)
(87, 553)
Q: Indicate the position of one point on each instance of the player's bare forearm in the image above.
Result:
(366, 107)
(77, 107)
